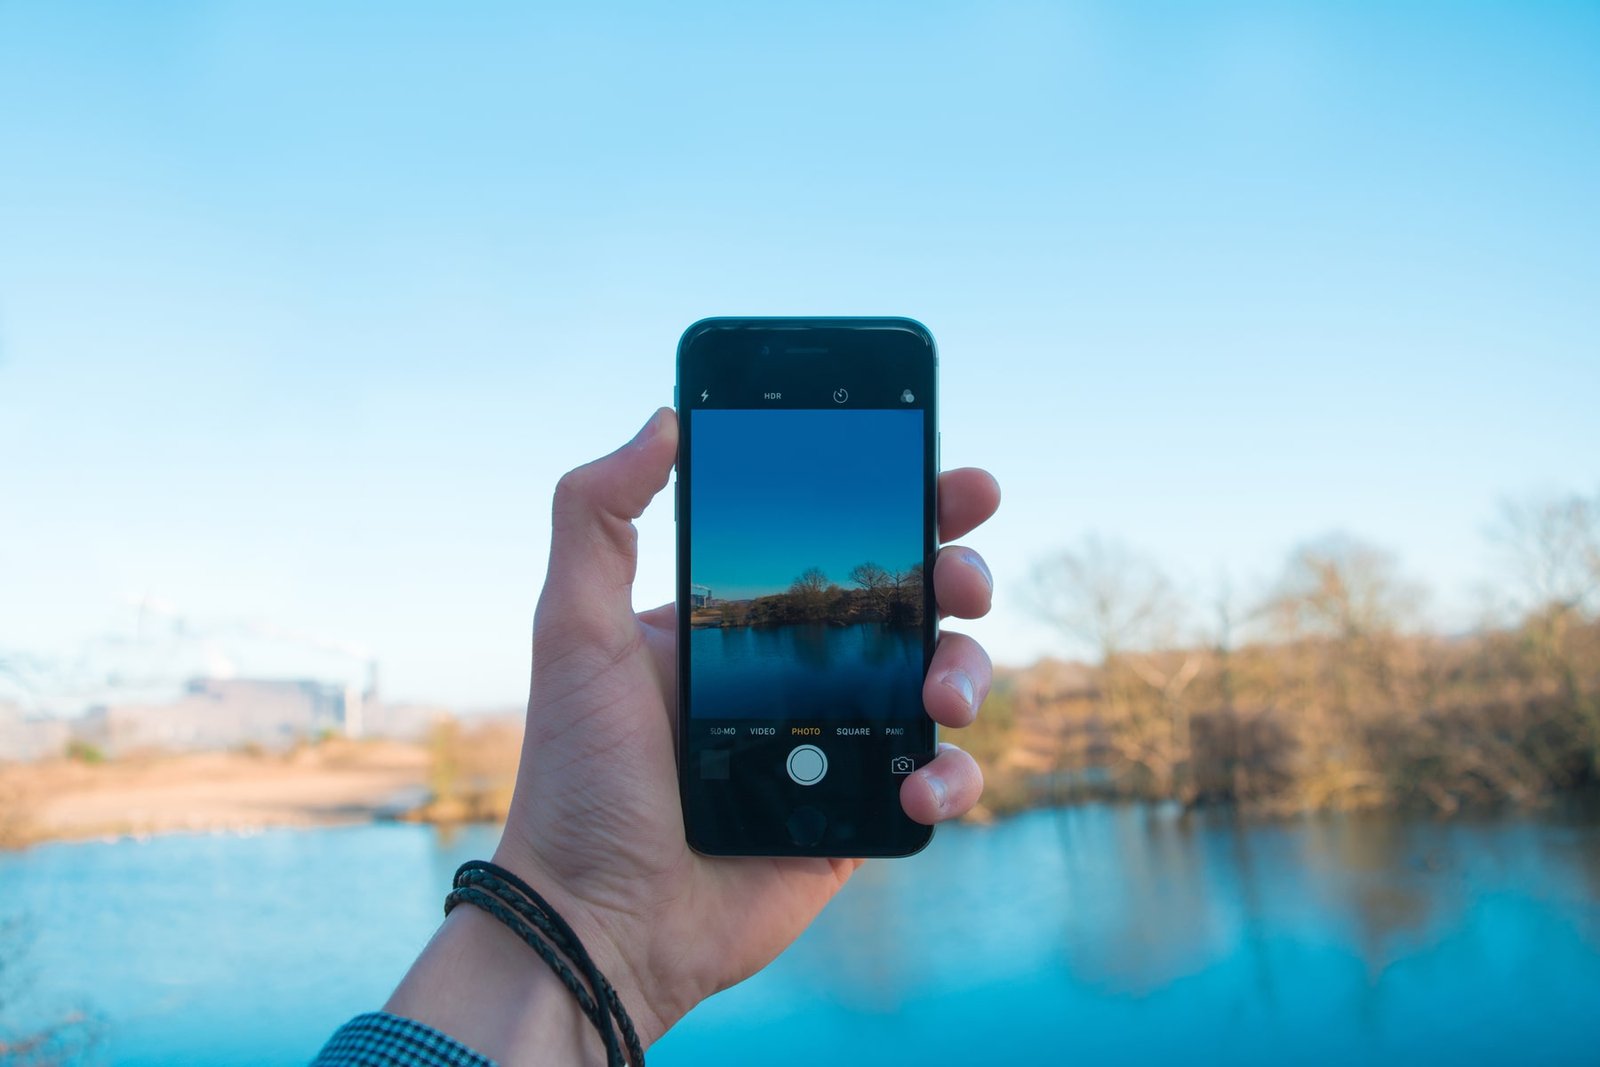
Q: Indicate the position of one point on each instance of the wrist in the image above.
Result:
(610, 937)
(479, 983)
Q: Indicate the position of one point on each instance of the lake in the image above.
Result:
(1101, 933)
(865, 671)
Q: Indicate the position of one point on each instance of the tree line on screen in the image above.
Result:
(875, 594)
(1325, 689)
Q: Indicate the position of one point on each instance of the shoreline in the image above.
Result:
(334, 783)
(463, 776)
(1581, 807)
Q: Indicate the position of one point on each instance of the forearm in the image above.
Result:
(478, 982)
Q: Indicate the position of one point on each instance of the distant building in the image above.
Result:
(217, 713)
(700, 596)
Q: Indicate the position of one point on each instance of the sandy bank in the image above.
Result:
(333, 782)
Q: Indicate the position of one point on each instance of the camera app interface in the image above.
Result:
(806, 593)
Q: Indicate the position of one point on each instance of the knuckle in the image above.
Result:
(572, 490)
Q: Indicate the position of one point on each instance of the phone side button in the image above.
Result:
(806, 826)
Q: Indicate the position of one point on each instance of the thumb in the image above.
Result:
(593, 543)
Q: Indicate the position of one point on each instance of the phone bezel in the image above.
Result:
(840, 340)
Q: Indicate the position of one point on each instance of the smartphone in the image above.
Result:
(806, 479)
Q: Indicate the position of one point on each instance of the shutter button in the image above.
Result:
(807, 764)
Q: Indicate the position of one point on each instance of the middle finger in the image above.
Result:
(962, 583)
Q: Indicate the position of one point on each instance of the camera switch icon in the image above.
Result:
(902, 765)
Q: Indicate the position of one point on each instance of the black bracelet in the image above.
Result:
(508, 898)
(534, 909)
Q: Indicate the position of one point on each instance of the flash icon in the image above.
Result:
(704, 393)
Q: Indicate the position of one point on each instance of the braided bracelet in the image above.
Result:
(500, 893)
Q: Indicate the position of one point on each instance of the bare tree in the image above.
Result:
(1343, 588)
(1105, 596)
(1344, 607)
(1122, 606)
(810, 592)
(907, 604)
(1553, 547)
(1554, 551)
(878, 584)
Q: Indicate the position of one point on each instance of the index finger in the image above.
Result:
(967, 497)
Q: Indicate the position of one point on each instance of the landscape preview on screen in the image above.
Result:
(806, 583)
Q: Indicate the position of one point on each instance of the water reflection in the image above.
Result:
(810, 644)
(861, 671)
(1145, 934)
(1158, 918)
(1126, 934)
(1385, 879)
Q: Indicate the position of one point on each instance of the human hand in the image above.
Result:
(596, 824)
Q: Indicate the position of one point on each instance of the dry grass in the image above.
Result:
(1353, 721)
(1314, 724)
(472, 770)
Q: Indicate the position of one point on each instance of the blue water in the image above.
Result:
(1109, 934)
(810, 671)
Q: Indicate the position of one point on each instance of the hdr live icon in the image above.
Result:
(902, 765)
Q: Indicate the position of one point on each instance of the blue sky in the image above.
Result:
(303, 310)
(774, 493)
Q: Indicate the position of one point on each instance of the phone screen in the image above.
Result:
(806, 467)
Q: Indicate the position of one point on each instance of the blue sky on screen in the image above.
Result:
(304, 308)
(775, 493)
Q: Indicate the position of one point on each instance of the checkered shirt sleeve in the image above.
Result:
(378, 1039)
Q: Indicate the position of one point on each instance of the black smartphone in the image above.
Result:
(807, 472)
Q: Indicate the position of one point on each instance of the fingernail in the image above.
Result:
(936, 786)
(983, 568)
(961, 683)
